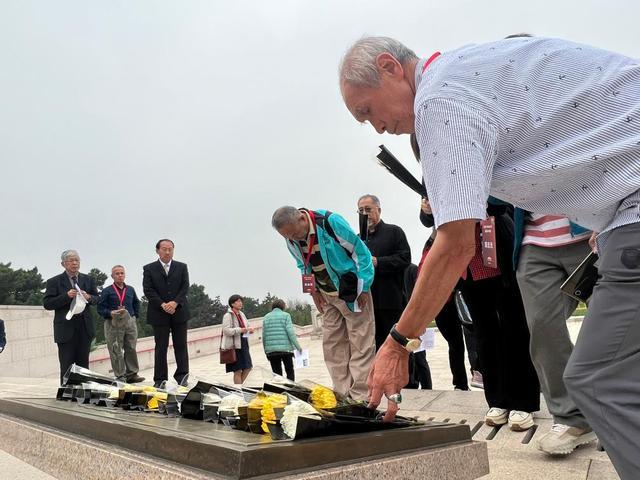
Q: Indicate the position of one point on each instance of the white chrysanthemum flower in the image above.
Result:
(290, 416)
(232, 402)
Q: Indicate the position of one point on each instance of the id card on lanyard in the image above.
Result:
(489, 250)
(308, 279)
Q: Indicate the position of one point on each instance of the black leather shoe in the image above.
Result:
(135, 379)
(159, 384)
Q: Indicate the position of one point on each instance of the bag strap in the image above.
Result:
(323, 220)
(222, 332)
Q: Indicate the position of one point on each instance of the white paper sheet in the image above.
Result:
(301, 360)
(428, 340)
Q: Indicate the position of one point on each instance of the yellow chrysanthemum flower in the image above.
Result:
(322, 397)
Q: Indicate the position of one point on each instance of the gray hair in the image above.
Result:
(286, 215)
(375, 199)
(358, 66)
(68, 254)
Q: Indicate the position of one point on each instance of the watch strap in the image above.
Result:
(398, 337)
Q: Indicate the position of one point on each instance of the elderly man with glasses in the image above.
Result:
(391, 255)
(73, 335)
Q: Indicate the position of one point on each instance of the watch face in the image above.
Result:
(413, 344)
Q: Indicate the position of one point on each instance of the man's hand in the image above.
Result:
(388, 375)
(425, 206)
(319, 301)
(86, 296)
(72, 293)
(363, 298)
(118, 312)
(592, 242)
(169, 307)
(375, 261)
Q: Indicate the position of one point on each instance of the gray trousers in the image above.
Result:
(121, 336)
(541, 272)
(603, 373)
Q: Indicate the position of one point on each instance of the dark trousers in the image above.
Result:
(385, 320)
(179, 336)
(451, 329)
(276, 359)
(419, 371)
(500, 326)
(76, 350)
(472, 349)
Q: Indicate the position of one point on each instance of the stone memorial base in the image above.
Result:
(69, 440)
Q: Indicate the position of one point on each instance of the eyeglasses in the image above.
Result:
(366, 210)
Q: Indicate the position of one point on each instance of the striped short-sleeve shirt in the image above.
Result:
(550, 231)
(547, 125)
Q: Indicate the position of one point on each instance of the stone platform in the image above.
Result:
(214, 451)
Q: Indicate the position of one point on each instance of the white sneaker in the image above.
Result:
(520, 421)
(496, 416)
(563, 439)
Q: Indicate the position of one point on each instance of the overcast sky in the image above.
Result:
(122, 122)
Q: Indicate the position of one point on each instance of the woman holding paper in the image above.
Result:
(235, 334)
(279, 340)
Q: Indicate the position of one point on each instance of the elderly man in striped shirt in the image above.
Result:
(549, 126)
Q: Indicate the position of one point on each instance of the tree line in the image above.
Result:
(26, 287)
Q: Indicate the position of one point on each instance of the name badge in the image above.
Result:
(308, 283)
(489, 250)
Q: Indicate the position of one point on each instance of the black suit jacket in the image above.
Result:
(389, 245)
(56, 298)
(160, 288)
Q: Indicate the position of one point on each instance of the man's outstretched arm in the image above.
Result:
(451, 253)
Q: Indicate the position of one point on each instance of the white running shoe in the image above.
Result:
(563, 439)
(496, 417)
(520, 421)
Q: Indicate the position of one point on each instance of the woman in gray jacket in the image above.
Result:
(235, 334)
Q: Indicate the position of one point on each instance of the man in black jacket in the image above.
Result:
(165, 283)
(391, 256)
(73, 336)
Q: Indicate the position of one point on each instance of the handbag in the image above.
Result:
(227, 355)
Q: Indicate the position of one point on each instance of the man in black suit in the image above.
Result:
(391, 257)
(165, 283)
(73, 336)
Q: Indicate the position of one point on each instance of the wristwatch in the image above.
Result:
(410, 344)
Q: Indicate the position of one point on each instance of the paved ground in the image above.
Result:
(511, 454)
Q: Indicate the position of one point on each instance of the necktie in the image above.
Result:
(74, 281)
(166, 268)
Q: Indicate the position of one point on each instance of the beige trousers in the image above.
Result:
(348, 345)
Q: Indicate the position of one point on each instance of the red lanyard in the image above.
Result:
(428, 62)
(124, 292)
(312, 241)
